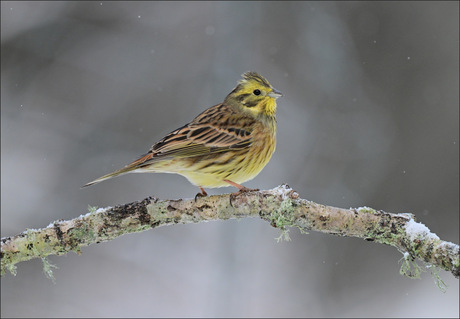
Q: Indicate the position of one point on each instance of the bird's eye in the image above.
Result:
(256, 92)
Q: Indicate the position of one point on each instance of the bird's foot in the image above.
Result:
(201, 194)
(241, 189)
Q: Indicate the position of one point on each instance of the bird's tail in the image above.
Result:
(119, 172)
(127, 169)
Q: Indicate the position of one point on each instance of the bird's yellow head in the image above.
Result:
(254, 95)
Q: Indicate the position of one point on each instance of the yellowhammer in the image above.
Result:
(228, 144)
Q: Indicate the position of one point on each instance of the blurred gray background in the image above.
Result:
(370, 116)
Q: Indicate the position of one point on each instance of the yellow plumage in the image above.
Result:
(227, 144)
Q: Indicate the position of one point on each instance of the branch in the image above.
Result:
(280, 206)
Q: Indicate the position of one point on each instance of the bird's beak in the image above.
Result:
(275, 94)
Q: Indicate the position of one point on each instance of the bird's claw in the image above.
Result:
(201, 194)
(241, 191)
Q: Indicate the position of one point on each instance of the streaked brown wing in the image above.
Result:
(216, 130)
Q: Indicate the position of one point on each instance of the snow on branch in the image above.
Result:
(280, 206)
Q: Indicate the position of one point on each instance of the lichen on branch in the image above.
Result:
(282, 207)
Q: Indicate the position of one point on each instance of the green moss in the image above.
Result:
(284, 217)
(81, 234)
(11, 268)
(367, 210)
(34, 243)
(382, 235)
(371, 211)
(92, 209)
(409, 267)
(437, 278)
(47, 269)
(159, 211)
(144, 227)
(283, 236)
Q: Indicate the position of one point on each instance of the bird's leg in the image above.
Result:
(202, 194)
(241, 189)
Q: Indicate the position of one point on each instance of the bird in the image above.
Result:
(225, 145)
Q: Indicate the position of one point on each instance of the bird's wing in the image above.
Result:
(216, 130)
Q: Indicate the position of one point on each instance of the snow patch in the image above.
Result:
(449, 245)
(97, 211)
(418, 231)
(282, 191)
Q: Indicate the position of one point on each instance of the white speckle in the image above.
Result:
(418, 231)
(21, 105)
(100, 3)
(99, 210)
(210, 30)
(138, 17)
(283, 191)
(404, 171)
(32, 229)
(50, 225)
(375, 41)
(408, 57)
(83, 216)
(407, 216)
(449, 245)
